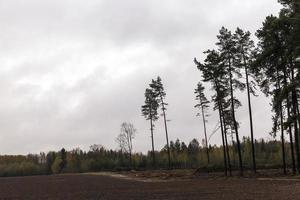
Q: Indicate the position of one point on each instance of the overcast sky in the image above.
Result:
(72, 71)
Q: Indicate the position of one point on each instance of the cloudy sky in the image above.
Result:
(72, 71)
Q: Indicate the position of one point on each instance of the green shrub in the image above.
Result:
(56, 166)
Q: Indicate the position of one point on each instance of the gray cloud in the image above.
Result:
(73, 71)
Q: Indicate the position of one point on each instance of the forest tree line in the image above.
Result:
(183, 156)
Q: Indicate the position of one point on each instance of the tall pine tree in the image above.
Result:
(160, 95)
(244, 52)
(227, 48)
(203, 106)
(149, 111)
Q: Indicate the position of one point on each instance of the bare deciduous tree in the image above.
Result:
(124, 139)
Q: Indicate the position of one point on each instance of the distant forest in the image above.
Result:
(237, 64)
(183, 156)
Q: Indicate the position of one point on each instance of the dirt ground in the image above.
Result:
(139, 185)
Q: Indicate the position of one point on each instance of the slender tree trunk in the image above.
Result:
(250, 117)
(297, 111)
(291, 139)
(166, 130)
(234, 162)
(290, 128)
(282, 141)
(223, 142)
(130, 150)
(295, 108)
(151, 124)
(228, 155)
(153, 153)
(235, 123)
(281, 128)
(221, 124)
(298, 114)
(296, 133)
(226, 142)
(206, 143)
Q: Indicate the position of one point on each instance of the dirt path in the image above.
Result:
(104, 187)
(130, 177)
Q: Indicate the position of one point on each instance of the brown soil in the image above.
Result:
(150, 185)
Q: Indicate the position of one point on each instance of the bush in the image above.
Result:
(56, 166)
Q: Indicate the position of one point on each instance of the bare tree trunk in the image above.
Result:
(291, 140)
(151, 124)
(226, 143)
(222, 131)
(130, 151)
(281, 128)
(228, 155)
(206, 143)
(223, 142)
(298, 115)
(295, 108)
(290, 128)
(282, 141)
(166, 130)
(296, 133)
(235, 123)
(250, 117)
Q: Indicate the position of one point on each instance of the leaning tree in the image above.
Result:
(160, 95)
(244, 54)
(213, 71)
(202, 105)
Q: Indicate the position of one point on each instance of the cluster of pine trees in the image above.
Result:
(273, 64)
(237, 65)
(222, 69)
(155, 99)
